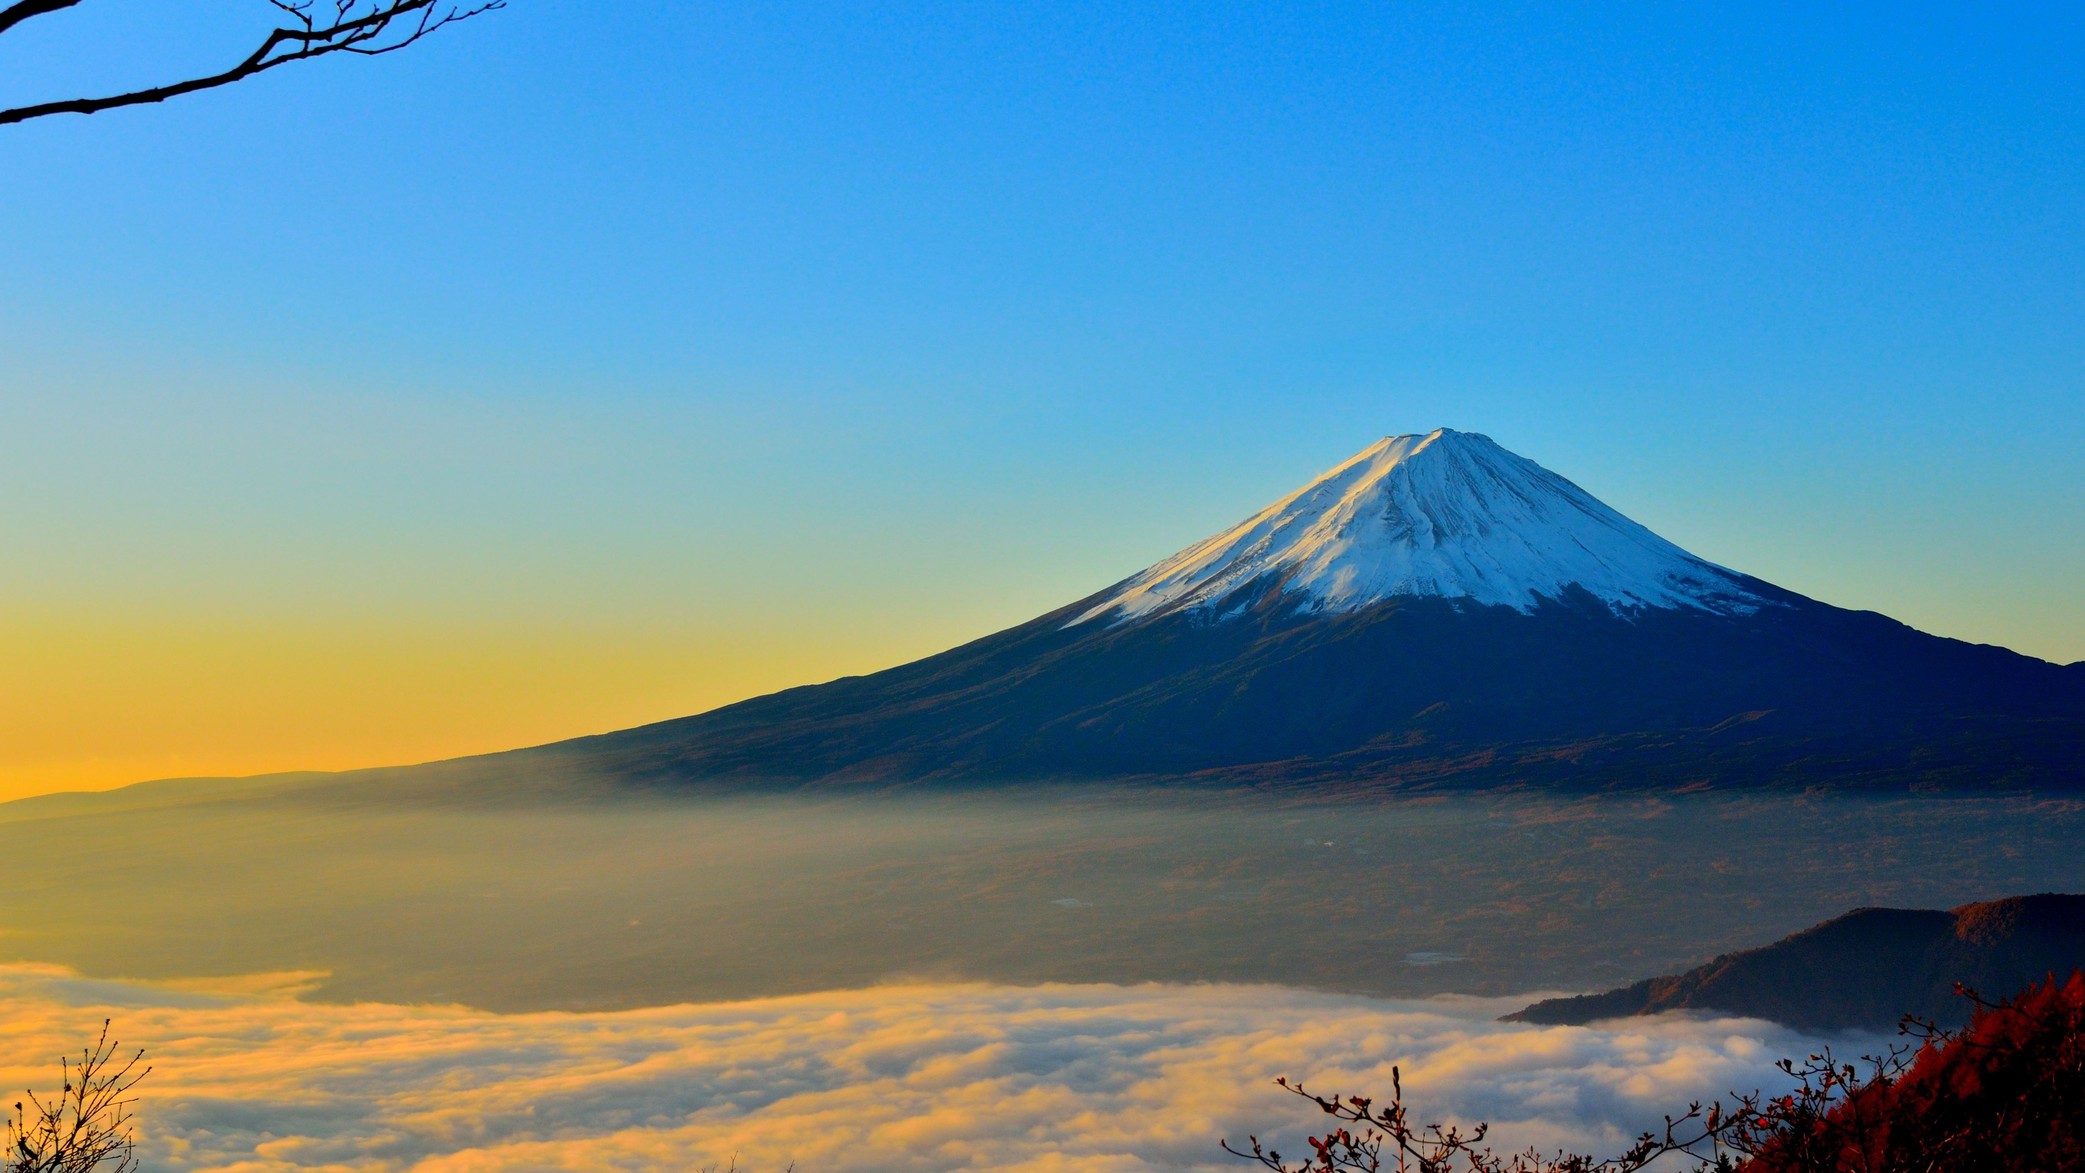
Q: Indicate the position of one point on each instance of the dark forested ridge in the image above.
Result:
(1412, 692)
(1867, 968)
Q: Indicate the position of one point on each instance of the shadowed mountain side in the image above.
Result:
(1867, 968)
(1409, 692)
(1433, 612)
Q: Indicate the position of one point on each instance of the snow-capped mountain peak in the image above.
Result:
(1447, 514)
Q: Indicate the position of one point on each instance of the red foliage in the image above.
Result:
(2005, 1095)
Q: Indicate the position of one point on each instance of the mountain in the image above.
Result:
(1446, 515)
(1434, 611)
(1867, 968)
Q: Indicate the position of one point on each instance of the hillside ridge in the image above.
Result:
(1865, 968)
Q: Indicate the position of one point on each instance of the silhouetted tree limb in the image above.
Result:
(366, 27)
(2005, 1094)
(16, 13)
(85, 1127)
(1384, 1137)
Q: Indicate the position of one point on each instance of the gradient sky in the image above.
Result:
(595, 363)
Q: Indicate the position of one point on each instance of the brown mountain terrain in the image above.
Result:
(1867, 968)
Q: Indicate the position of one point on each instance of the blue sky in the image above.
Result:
(876, 328)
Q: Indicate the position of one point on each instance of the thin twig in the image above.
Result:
(351, 31)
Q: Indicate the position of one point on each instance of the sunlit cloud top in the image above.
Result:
(945, 1077)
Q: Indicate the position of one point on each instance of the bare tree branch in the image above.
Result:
(384, 27)
(86, 1126)
(22, 10)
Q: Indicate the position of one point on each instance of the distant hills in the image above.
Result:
(1867, 968)
(1435, 611)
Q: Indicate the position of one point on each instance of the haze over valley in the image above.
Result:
(1437, 724)
(959, 589)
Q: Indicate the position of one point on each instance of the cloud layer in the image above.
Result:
(920, 1077)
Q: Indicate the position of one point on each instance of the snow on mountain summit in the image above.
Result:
(1448, 514)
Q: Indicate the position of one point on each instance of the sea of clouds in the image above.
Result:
(905, 1077)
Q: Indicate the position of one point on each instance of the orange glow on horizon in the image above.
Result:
(91, 705)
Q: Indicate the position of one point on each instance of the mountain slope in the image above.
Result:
(1444, 515)
(1867, 968)
(1435, 610)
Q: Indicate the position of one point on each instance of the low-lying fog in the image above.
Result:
(921, 1078)
(615, 902)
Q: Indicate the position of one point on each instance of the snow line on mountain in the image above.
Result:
(1447, 514)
